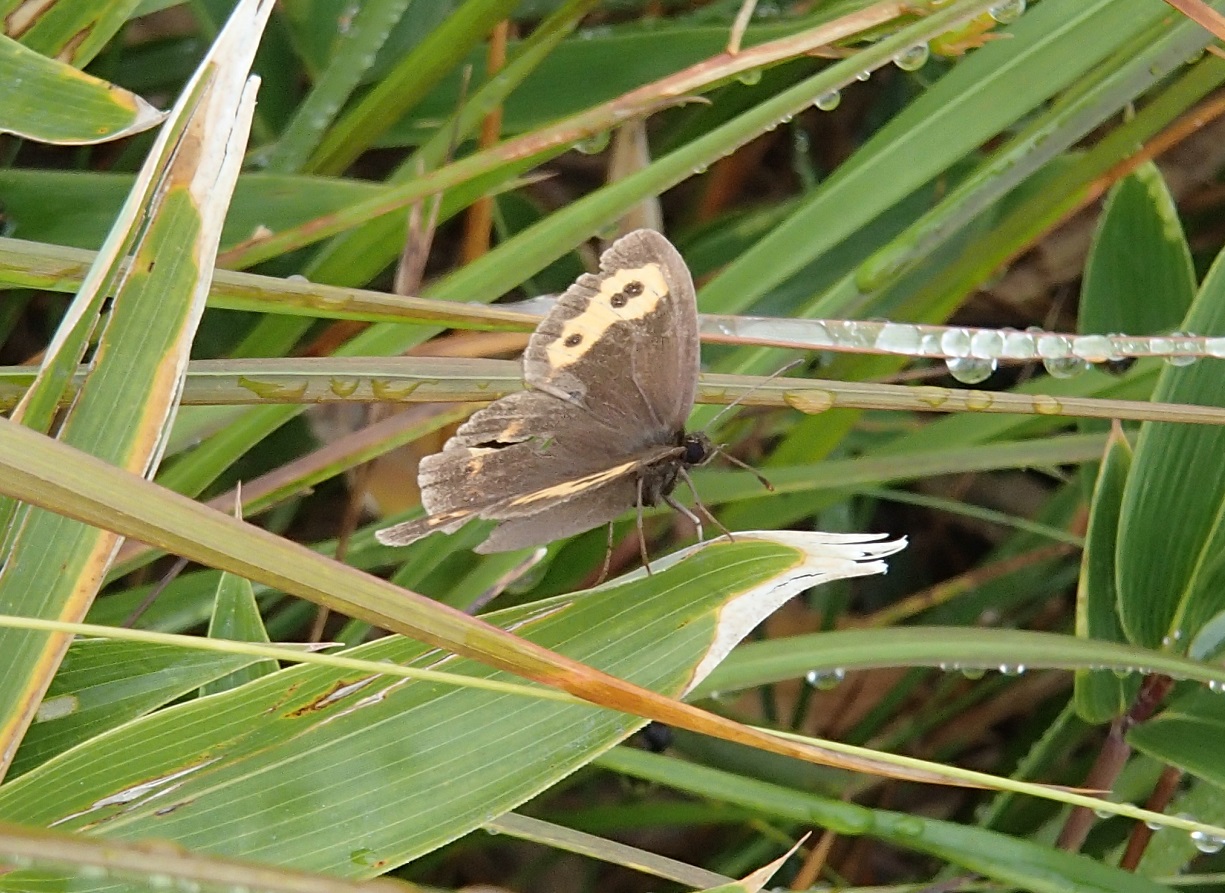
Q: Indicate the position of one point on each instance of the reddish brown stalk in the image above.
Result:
(1158, 800)
(478, 224)
(1113, 757)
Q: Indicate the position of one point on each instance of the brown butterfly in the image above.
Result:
(611, 374)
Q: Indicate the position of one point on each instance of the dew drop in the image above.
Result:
(956, 342)
(1094, 348)
(863, 75)
(1183, 343)
(827, 102)
(1207, 843)
(970, 370)
(986, 343)
(824, 680)
(912, 58)
(1007, 11)
(973, 672)
(593, 144)
(898, 338)
(750, 77)
(1012, 669)
(1019, 345)
(1065, 367)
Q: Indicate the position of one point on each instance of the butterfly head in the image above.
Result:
(698, 448)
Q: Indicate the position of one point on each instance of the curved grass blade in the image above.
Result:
(426, 762)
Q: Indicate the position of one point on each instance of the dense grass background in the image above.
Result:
(1055, 617)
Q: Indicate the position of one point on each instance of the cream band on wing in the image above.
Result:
(638, 291)
(578, 485)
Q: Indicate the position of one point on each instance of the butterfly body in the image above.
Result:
(611, 375)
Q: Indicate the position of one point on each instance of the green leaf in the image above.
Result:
(236, 616)
(1171, 549)
(1101, 695)
(1187, 735)
(1008, 860)
(52, 102)
(224, 773)
(1139, 278)
(103, 684)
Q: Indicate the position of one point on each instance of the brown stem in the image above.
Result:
(1158, 800)
(1112, 757)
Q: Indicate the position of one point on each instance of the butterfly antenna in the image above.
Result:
(757, 387)
(765, 482)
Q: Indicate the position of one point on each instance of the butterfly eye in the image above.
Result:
(697, 450)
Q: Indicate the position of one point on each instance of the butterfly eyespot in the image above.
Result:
(573, 340)
(633, 289)
(620, 299)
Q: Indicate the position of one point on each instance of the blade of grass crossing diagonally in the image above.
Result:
(65, 480)
(70, 32)
(352, 55)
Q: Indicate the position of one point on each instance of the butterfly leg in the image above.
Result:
(642, 541)
(607, 558)
(697, 500)
(680, 509)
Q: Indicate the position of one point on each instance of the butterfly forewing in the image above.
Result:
(623, 343)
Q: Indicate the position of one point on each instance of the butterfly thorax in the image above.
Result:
(660, 478)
